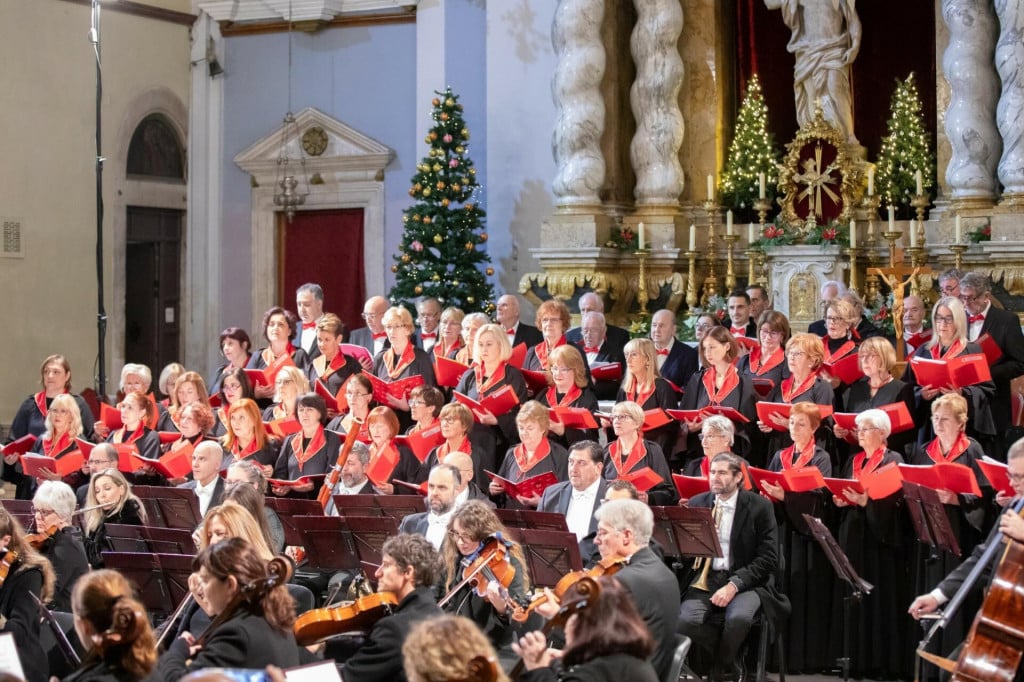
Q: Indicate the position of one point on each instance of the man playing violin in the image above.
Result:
(408, 571)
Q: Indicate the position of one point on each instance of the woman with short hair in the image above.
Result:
(53, 508)
(571, 389)
(310, 451)
(388, 461)
(449, 337)
(629, 453)
(331, 367)
(358, 398)
(236, 348)
(402, 359)
(553, 320)
(534, 455)
(279, 326)
(289, 384)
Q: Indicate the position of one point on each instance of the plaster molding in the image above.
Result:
(301, 10)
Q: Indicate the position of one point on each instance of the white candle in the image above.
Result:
(913, 233)
(871, 181)
(853, 234)
(751, 237)
(892, 218)
(760, 185)
(871, 230)
(711, 189)
(920, 182)
(957, 233)
(693, 236)
(728, 223)
(640, 237)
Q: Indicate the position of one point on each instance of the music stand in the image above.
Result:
(929, 517)
(686, 531)
(844, 569)
(125, 538)
(21, 510)
(289, 507)
(533, 520)
(161, 579)
(357, 505)
(369, 535)
(328, 542)
(172, 507)
(550, 554)
(400, 506)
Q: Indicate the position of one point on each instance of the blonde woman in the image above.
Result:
(110, 500)
(643, 385)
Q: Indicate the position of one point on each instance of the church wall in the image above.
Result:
(47, 135)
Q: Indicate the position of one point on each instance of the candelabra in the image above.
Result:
(730, 273)
(958, 254)
(762, 207)
(641, 287)
(892, 236)
(920, 202)
(711, 281)
(852, 252)
(918, 258)
(691, 279)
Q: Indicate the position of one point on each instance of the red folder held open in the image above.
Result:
(644, 479)
(573, 417)
(958, 372)
(782, 409)
(448, 372)
(846, 369)
(421, 441)
(998, 475)
(690, 486)
(498, 403)
(957, 478)
(19, 446)
(32, 464)
(535, 485)
(800, 480)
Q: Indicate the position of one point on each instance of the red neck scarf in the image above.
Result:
(269, 359)
(486, 384)
(623, 465)
(934, 449)
(571, 396)
(315, 444)
(395, 366)
(442, 351)
(760, 366)
(40, 399)
(799, 462)
(729, 383)
(423, 427)
(54, 448)
(444, 449)
(542, 350)
(382, 463)
(523, 458)
(862, 467)
(240, 453)
(789, 391)
(119, 435)
(639, 395)
(337, 362)
(954, 350)
(840, 352)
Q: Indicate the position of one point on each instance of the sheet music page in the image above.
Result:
(317, 672)
(9, 661)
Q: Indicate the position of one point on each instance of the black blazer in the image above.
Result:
(218, 491)
(364, 337)
(379, 659)
(1004, 328)
(22, 619)
(656, 594)
(556, 499)
(528, 334)
(680, 364)
(615, 338)
(415, 524)
(245, 641)
(604, 389)
(611, 668)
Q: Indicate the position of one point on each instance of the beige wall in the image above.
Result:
(48, 181)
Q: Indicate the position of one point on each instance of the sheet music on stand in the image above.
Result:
(127, 538)
(161, 579)
(287, 508)
(170, 507)
(686, 531)
(341, 543)
(532, 520)
(928, 515)
(837, 557)
(549, 554)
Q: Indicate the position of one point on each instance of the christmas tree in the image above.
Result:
(440, 254)
(752, 152)
(905, 150)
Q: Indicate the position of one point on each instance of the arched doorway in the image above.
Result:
(153, 249)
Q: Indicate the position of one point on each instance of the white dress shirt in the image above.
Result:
(581, 510)
(205, 494)
(726, 512)
(307, 337)
(660, 359)
(437, 526)
(974, 328)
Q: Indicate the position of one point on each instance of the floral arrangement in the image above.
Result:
(981, 234)
(828, 235)
(623, 239)
(640, 329)
(716, 306)
(775, 234)
(881, 316)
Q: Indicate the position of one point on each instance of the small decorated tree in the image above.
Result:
(441, 254)
(905, 150)
(752, 152)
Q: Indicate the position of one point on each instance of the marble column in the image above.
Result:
(974, 91)
(576, 142)
(1010, 113)
(654, 97)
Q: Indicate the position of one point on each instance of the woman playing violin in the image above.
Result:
(112, 501)
(407, 572)
(534, 455)
(471, 536)
(114, 628)
(58, 539)
(252, 632)
(23, 572)
(247, 439)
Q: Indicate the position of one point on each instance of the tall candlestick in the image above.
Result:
(760, 186)
(871, 181)
(640, 237)
(693, 236)
(920, 182)
(892, 218)
(957, 233)
(750, 234)
(913, 234)
(853, 234)
(711, 189)
(728, 223)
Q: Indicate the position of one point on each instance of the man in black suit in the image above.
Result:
(742, 581)
(580, 496)
(467, 488)
(741, 321)
(829, 290)
(206, 480)
(759, 300)
(309, 303)
(598, 348)
(442, 487)
(676, 361)
(372, 337)
(507, 315)
(616, 337)
(428, 317)
(624, 529)
(353, 480)
(408, 569)
(1004, 328)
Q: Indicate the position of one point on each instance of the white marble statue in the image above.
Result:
(825, 41)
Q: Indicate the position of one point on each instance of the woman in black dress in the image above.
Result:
(63, 426)
(110, 500)
(332, 367)
(570, 389)
(136, 412)
(236, 347)
(279, 326)
(553, 320)
(310, 451)
(630, 453)
(247, 439)
(55, 377)
(644, 386)
(804, 355)
(401, 360)
(766, 365)
(534, 455)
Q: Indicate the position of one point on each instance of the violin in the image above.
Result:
(348, 618)
(609, 566)
(37, 540)
(489, 563)
(10, 558)
(587, 591)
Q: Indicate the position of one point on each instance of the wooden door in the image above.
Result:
(153, 287)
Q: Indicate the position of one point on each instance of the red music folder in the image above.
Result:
(957, 478)
(518, 356)
(125, 462)
(19, 446)
(498, 403)
(168, 436)
(175, 464)
(747, 343)
(990, 348)
(800, 480)
(606, 371)
(111, 416)
(448, 372)
(782, 409)
(535, 380)
(573, 417)
(421, 442)
(846, 369)
(282, 428)
(358, 352)
(654, 418)
(32, 464)
(420, 489)
(325, 393)
(257, 377)
(899, 417)
(958, 372)
(998, 475)
(315, 479)
(728, 412)
(690, 486)
(644, 479)
(535, 485)
(399, 388)
(837, 485)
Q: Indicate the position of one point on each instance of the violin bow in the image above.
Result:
(70, 655)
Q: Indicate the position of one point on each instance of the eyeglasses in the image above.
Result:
(943, 319)
(551, 320)
(102, 461)
(415, 403)
(706, 436)
(393, 327)
(832, 319)
(357, 395)
(865, 429)
(1015, 478)
(560, 370)
(703, 326)
(42, 512)
(370, 316)
(460, 537)
(795, 354)
(964, 298)
(448, 419)
(620, 417)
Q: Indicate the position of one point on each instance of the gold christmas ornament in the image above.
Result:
(440, 184)
(444, 116)
(405, 258)
(449, 102)
(465, 133)
(426, 191)
(469, 246)
(489, 271)
(418, 289)
(412, 192)
(460, 149)
(416, 217)
(426, 220)
(483, 236)
(435, 102)
(394, 268)
(436, 277)
(445, 202)
(437, 168)
(470, 299)
(456, 187)
(438, 239)
(433, 136)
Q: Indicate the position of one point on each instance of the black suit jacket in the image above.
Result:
(604, 389)
(1004, 328)
(680, 364)
(556, 499)
(415, 524)
(528, 334)
(655, 591)
(218, 491)
(749, 329)
(380, 658)
(952, 582)
(364, 337)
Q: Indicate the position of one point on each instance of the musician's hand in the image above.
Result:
(684, 501)
(548, 608)
(840, 432)
(280, 490)
(533, 649)
(860, 499)
(775, 491)
(923, 605)
(692, 425)
(1012, 525)
(494, 595)
(779, 420)
(724, 595)
(946, 390)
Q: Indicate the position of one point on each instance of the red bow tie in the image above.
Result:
(428, 335)
(661, 351)
(308, 325)
(587, 349)
(380, 335)
(510, 332)
(738, 331)
(975, 318)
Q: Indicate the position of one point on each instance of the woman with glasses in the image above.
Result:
(358, 396)
(110, 500)
(235, 386)
(949, 340)
(804, 355)
(570, 389)
(534, 455)
(840, 339)
(703, 325)
(279, 327)
(332, 367)
(449, 338)
(874, 533)
(553, 321)
(808, 578)
(643, 385)
(470, 326)
(456, 425)
(629, 454)
(53, 508)
(876, 388)
(766, 365)
(188, 388)
(470, 527)
(309, 452)
(63, 426)
(289, 384)
(236, 347)
(717, 434)
(719, 384)
(402, 360)
(55, 378)
(247, 439)
(425, 403)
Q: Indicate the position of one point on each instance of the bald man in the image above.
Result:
(372, 336)
(507, 315)
(206, 480)
(914, 333)
(467, 489)
(615, 338)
